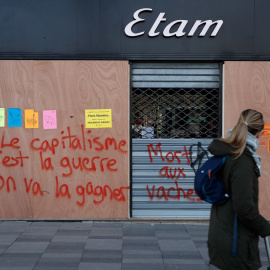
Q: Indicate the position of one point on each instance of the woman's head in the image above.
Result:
(249, 121)
(252, 120)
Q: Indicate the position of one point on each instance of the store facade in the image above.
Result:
(107, 108)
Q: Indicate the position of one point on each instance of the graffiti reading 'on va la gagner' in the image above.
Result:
(62, 190)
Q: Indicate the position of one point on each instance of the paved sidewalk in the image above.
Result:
(105, 246)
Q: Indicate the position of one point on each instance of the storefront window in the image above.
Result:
(175, 113)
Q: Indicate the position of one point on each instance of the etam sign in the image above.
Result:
(167, 32)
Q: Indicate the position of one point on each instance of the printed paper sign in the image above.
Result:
(262, 143)
(2, 117)
(31, 119)
(98, 118)
(49, 119)
(14, 117)
(266, 130)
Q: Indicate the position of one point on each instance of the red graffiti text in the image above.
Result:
(99, 193)
(175, 193)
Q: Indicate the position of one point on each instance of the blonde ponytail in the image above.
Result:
(249, 121)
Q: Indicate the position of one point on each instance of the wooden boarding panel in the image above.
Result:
(247, 85)
(63, 170)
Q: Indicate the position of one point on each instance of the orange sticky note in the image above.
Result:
(266, 130)
(31, 119)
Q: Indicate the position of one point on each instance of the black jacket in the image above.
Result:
(240, 176)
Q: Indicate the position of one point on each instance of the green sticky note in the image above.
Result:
(2, 117)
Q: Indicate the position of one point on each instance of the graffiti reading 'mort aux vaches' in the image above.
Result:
(174, 192)
(87, 163)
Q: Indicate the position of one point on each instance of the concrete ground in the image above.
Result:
(105, 246)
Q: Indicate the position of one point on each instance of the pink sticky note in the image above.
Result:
(49, 119)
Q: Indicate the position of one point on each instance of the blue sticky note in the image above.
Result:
(14, 117)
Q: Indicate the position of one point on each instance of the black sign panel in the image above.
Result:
(135, 30)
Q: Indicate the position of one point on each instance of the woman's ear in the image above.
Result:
(259, 134)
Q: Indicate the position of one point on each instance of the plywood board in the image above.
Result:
(68, 172)
(247, 85)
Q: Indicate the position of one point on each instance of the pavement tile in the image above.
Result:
(181, 255)
(16, 263)
(21, 255)
(48, 224)
(107, 224)
(138, 225)
(76, 226)
(142, 256)
(52, 268)
(141, 266)
(11, 229)
(146, 238)
(65, 247)
(95, 254)
(101, 260)
(16, 268)
(59, 259)
(139, 233)
(187, 267)
(56, 265)
(3, 248)
(72, 232)
(15, 223)
(184, 261)
(140, 240)
(18, 260)
(52, 255)
(177, 245)
(105, 231)
(33, 238)
(141, 251)
(99, 266)
(105, 237)
(27, 247)
(148, 261)
(103, 244)
(69, 238)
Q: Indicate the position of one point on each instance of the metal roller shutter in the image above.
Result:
(176, 112)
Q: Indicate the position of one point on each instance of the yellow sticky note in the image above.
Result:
(31, 119)
(100, 118)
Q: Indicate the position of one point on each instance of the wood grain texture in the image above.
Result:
(247, 85)
(69, 87)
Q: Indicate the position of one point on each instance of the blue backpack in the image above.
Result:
(208, 185)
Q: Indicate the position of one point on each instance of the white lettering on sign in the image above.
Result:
(167, 30)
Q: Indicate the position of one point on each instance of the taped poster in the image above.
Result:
(31, 119)
(99, 118)
(49, 119)
(266, 130)
(14, 117)
(2, 117)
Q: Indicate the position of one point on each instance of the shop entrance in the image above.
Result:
(176, 112)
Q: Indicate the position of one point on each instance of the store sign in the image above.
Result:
(167, 32)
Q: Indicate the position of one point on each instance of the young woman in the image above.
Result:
(240, 174)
